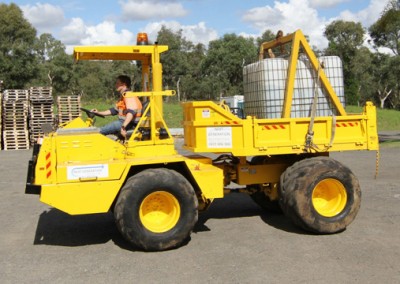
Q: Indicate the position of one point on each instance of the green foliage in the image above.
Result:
(175, 63)
(345, 41)
(385, 32)
(265, 37)
(362, 67)
(224, 63)
(182, 64)
(55, 66)
(17, 60)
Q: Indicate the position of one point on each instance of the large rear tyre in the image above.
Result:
(320, 195)
(156, 209)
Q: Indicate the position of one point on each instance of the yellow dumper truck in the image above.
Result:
(278, 153)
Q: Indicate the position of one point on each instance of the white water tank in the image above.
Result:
(265, 81)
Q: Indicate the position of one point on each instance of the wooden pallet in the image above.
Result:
(15, 139)
(23, 109)
(68, 108)
(14, 118)
(41, 111)
(15, 95)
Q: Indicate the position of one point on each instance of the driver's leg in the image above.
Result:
(113, 127)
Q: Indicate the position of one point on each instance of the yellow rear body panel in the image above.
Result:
(81, 198)
(210, 128)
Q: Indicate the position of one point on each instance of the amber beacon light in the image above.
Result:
(142, 39)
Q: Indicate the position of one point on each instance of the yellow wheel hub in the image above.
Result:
(159, 212)
(329, 197)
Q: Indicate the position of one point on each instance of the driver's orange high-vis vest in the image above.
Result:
(122, 110)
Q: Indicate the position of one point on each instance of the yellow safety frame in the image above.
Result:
(298, 41)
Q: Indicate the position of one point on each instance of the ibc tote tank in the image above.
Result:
(265, 81)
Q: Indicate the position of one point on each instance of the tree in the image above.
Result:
(182, 65)
(267, 35)
(394, 67)
(55, 68)
(193, 81)
(174, 61)
(224, 64)
(383, 79)
(386, 31)
(18, 63)
(363, 68)
(345, 40)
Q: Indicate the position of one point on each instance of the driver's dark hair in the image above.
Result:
(125, 80)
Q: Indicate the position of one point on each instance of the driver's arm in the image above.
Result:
(104, 112)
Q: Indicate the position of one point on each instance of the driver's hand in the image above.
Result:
(94, 110)
(123, 133)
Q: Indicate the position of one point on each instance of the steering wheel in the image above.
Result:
(91, 114)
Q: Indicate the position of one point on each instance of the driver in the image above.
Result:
(127, 108)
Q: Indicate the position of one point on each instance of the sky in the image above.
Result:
(95, 22)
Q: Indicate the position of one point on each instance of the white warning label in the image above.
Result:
(89, 171)
(206, 113)
(219, 137)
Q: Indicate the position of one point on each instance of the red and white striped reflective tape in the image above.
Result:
(229, 123)
(48, 165)
(347, 124)
(274, 127)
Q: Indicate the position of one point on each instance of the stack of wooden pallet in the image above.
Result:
(15, 119)
(68, 108)
(40, 111)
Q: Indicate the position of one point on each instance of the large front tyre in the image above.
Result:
(320, 195)
(156, 209)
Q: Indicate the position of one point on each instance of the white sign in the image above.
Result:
(89, 171)
(219, 137)
(206, 113)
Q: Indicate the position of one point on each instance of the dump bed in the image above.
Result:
(291, 107)
(208, 127)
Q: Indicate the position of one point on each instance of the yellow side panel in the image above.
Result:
(87, 147)
(209, 128)
(81, 198)
(251, 174)
(209, 178)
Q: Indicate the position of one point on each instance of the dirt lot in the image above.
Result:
(234, 242)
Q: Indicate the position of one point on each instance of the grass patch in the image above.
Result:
(390, 144)
(388, 119)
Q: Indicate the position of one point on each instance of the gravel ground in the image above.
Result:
(234, 241)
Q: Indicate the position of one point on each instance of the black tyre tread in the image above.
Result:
(297, 205)
(147, 240)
